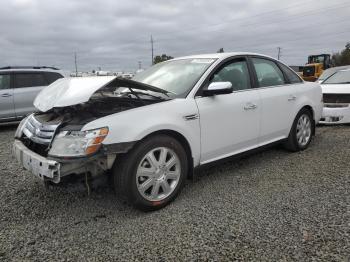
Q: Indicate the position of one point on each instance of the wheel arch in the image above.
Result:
(309, 108)
(183, 141)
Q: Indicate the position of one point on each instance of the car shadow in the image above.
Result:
(6, 127)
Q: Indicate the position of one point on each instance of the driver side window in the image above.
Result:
(236, 73)
(5, 82)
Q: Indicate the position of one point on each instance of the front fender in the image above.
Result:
(135, 124)
(312, 97)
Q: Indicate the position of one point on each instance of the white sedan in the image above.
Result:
(153, 131)
(336, 98)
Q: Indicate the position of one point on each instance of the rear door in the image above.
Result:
(7, 109)
(278, 100)
(26, 87)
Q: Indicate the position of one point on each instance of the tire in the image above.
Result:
(301, 133)
(150, 183)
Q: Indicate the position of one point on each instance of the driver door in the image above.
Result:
(230, 122)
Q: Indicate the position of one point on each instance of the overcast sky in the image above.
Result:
(115, 34)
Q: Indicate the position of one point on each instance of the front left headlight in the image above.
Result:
(78, 143)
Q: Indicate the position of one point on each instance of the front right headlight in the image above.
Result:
(78, 143)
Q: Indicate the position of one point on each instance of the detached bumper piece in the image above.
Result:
(35, 163)
(335, 115)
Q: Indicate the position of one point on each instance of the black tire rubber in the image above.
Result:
(291, 143)
(125, 168)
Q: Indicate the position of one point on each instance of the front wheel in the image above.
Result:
(153, 173)
(300, 135)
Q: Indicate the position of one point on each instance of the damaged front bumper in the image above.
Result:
(35, 163)
(54, 169)
(335, 115)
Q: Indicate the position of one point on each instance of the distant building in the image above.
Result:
(104, 73)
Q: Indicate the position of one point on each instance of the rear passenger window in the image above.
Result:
(52, 77)
(293, 78)
(5, 82)
(267, 72)
(235, 72)
(29, 80)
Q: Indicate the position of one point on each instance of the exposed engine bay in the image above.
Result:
(108, 100)
(95, 108)
(41, 127)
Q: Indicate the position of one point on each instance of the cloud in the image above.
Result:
(116, 34)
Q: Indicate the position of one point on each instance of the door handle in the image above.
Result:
(292, 98)
(6, 95)
(250, 106)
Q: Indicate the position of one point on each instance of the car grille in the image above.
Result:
(336, 98)
(309, 71)
(38, 132)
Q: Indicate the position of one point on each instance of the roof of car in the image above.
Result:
(220, 55)
(337, 68)
(29, 68)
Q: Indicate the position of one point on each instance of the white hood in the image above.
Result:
(336, 89)
(70, 91)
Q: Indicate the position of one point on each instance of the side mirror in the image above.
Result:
(218, 88)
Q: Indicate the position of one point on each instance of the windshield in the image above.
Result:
(316, 59)
(340, 77)
(176, 76)
(327, 73)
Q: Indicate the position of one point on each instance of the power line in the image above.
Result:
(264, 23)
(271, 44)
(195, 28)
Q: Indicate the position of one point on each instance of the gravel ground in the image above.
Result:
(272, 205)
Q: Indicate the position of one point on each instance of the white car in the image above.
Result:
(152, 132)
(336, 98)
(329, 72)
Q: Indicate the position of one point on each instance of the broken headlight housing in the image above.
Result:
(78, 143)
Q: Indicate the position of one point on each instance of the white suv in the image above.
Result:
(153, 131)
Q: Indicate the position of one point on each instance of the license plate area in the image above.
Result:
(36, 164)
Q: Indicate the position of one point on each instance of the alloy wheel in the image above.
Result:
(158, 174)
(304, 130)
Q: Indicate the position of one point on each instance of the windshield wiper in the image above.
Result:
(130, 83)
(138, 93)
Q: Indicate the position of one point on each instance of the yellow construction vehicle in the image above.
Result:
(315, 66)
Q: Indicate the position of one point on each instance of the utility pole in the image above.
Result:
(279, 53)
(140, 65)
(75, 62)
(152, 49)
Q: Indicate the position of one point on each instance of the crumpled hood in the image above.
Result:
(336, 89)
(72, 91)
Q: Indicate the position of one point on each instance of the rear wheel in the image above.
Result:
(152, 174)
(300, 135)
